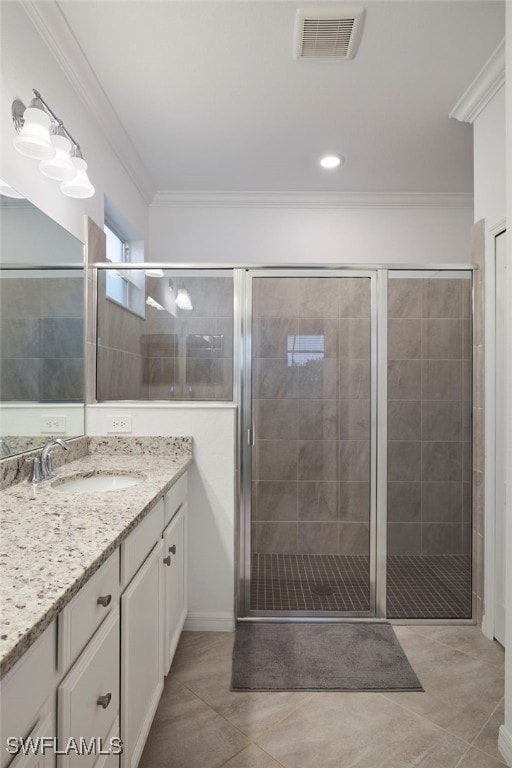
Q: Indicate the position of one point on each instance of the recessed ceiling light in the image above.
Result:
(331, 161)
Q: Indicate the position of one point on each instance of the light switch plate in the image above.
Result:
(120, 423)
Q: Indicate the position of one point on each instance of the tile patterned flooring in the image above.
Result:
(417, 586)
(453, 724)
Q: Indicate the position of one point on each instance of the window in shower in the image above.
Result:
(429, 445)
(179, 348)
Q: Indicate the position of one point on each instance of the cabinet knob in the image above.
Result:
(167, 560)
(104, 701)
(104, 600)
(173, 549)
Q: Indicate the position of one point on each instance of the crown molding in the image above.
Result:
(485, 85)
(327, 200)
(58, 36)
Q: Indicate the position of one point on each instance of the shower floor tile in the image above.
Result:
(417, 586)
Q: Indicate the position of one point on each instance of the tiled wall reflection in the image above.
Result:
(172, 353)
(42, 338)
(311, 405)
(429, 416)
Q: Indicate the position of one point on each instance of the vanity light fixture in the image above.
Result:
(154, 272)
(331, 161)
(41, 135)
(59, 167)
(183, 300)
(152, 303)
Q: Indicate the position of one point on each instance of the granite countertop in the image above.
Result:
(52, 542)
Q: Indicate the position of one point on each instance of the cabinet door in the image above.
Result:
(175, 587)
(141, 655)
(44, 757)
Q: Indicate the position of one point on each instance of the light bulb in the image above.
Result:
(183, 300)
(34, 138)
(331, 161)
(78, 186)
(60, 167)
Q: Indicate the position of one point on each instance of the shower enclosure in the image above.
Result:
(354, 394)
(356, 444)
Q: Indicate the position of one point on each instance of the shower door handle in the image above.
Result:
(250, 436)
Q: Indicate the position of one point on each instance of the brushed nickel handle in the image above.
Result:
(104, 600)
(173, 549)
(167, 560)
(104, 701)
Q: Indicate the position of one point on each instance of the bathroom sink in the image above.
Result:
(97, 482)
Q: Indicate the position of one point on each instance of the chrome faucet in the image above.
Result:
(42, 467)
(46, 456)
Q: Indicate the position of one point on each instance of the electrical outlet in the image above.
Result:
(53, 425)
(121, 423)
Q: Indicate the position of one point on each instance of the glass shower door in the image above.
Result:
(310, 401)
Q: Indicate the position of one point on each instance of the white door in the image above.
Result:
(501, 349)
(142, 678)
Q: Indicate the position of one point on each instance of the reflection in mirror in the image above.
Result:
(41, 329)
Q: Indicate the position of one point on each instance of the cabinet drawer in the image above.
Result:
(88, 697)
(137, 546)
(175, 497)
(82, 616)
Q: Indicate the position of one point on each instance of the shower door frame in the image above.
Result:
(378, 453)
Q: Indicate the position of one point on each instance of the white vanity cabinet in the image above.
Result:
(88, 697)
(175, 586)
(28, 701)
(142, 677)
(97, 672)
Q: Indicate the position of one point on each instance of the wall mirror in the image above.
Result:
(42, 315)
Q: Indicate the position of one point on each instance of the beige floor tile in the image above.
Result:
(467, 639)
(208, 675)
(362, 730)
(460, 692)
(186, 733)
(487, 739)
(252, 757)
(476, 759)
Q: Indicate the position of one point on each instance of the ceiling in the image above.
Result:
(211, 97)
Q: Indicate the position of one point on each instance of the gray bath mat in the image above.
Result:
(319, 657)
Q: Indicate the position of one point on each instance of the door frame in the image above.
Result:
(378, 432)
(489, 554)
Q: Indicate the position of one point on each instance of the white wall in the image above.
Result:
(211, 497)
(27, 63)
(489, 161)
(505, 742)
(265, 235)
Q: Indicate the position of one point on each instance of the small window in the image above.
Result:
(122, 286)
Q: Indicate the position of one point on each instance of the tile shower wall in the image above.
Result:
(311, 408)
(429, 416)
(42, 338)
(170, 354)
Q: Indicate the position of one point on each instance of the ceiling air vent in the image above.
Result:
(327, 33)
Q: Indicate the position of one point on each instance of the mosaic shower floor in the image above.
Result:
(418, 586)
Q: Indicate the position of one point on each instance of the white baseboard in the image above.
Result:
(209, 622)
(505, 744)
